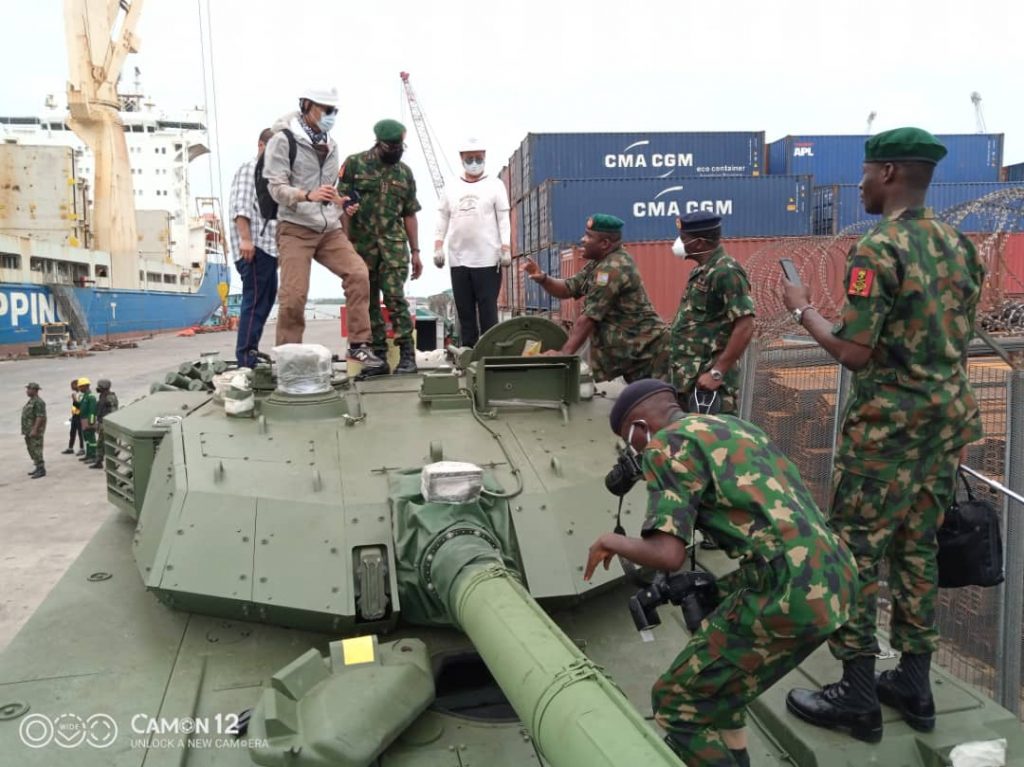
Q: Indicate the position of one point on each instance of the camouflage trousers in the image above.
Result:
(35, 448)
(389, 269)
(99, 441)
(899, 518)
(653, 364)
(724, 667)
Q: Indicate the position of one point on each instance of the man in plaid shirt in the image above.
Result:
(254, 242)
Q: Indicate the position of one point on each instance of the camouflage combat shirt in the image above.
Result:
(723, 476)
(912, 288)
(717, 294)
(630, 336)
(33, 409)
(387, 193)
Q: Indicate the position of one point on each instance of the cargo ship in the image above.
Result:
(53, 266)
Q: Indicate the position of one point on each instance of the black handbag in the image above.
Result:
(970, 543)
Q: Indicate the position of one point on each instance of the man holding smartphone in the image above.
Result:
(715, 319)
(301, 167)
(912, 288)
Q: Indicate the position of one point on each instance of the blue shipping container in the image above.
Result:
(535, 297)
(838, 159)
(640, 155)
(837, 208)
(770, 206)
(1014, 172)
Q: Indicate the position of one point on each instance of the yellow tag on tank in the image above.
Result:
(357, 650)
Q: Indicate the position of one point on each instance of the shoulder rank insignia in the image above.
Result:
(860, 282)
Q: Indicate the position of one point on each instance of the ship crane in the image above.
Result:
(421, 130)
(95, 58)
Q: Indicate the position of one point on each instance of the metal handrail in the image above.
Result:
(994, 485)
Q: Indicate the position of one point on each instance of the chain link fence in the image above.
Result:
(795, 392)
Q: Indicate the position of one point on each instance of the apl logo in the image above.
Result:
(803, 150)
(629, 158)
(675, 207)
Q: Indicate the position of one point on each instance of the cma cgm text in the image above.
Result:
(678, 160)
(674, 208)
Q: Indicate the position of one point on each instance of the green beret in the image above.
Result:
(904, 145)
(32, 385)
(602, 222)
(389, 131)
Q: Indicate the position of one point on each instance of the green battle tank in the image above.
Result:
(324, 571)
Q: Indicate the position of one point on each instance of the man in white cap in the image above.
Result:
(473, 214)
(301, 164)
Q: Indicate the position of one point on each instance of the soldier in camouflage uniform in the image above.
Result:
(630, 340)
(912, 288)
(715, 320)
(33, 425)
(794, 585)
(106, 405)
(384, 231)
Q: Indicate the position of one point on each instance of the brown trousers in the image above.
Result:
(297, 247)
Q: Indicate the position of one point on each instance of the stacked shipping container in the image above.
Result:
(837, 208)
(648, 179)
(838, 159)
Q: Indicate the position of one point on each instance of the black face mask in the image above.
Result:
(390, 156)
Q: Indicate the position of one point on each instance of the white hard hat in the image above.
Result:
(472, 145)
(326, 96)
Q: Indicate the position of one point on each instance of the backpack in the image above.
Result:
(266, 203)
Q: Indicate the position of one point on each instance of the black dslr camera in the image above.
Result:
(625, 473)
(692, 590)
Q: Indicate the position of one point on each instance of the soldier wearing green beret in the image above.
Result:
(33, 424)
(912, 288)
(384, 232)
(630, 340)
(715, 319)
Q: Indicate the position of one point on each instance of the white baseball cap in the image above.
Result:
(326, 96)
(472, 145)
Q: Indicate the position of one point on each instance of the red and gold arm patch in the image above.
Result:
(860, 282)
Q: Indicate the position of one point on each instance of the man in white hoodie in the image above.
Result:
(473, 214)
(301, 167)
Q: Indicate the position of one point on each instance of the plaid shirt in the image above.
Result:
(243, 203)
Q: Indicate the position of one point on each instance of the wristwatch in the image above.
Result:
(716, 374)
(799, 313)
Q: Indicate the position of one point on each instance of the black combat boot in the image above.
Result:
(382, 353)
(907, 690)
(39, 472)
(407, 360)
(851, 704)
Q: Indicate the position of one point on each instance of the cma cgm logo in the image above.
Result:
(675, 207)
(803, 150)
(634, 157)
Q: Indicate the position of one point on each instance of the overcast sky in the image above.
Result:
(499, 71)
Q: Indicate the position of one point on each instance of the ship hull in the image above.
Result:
(110, 313)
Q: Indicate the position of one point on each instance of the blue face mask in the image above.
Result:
(327, 122)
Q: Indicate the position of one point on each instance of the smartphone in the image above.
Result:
(353, 198)
(789, 270)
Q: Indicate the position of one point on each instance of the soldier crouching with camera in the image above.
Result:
(794, 586)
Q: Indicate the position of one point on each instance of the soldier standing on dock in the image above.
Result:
(33, 424)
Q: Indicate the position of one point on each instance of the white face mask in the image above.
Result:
(473, 168)
(678, 249)
(327, 122)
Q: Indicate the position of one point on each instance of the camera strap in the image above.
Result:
(619, 529)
